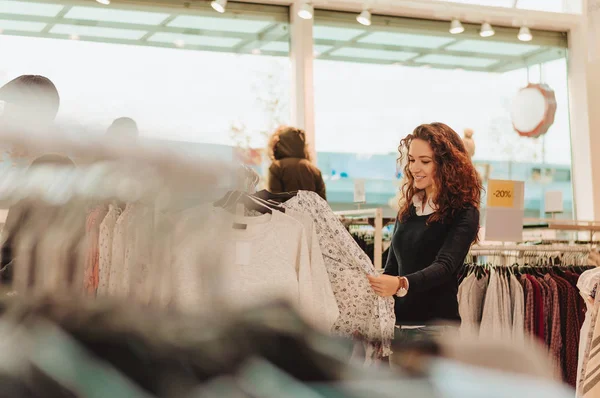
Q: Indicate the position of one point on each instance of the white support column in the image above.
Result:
(584, 102)
(302, 101)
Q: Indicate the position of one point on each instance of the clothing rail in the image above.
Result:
(377, 213)
(479, 249)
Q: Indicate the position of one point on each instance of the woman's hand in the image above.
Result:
(385, 285)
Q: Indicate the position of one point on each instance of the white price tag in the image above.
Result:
(243, 253)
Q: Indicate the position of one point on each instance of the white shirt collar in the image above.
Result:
(429, 208)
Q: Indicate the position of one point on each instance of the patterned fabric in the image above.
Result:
(538, 305)
(92, 259)
(555, 332)
(529, 305)
(547, 298)
(590, 375)
(570, 330)
(363, 314)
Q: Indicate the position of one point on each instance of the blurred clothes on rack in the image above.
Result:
(521, 303)
(66, 348)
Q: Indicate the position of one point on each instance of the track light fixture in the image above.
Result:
(104, 2)
(306, 11)
(364, 18)
(219, 5)
(486, 30)
(456, 27)
(525, 34)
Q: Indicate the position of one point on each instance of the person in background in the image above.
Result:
(123, 128)
(31, 103)
(291, 168)
(436, 225)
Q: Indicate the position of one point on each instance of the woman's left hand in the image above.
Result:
(384, 285)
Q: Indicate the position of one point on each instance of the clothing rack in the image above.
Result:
(377, 214)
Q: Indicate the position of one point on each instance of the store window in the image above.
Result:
(196, 79)
(374, 85)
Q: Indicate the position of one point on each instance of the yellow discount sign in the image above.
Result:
(501, 193)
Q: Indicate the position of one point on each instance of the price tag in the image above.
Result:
(360, 192)
(243, 253)
(501, 193)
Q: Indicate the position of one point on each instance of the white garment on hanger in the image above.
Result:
(105, 244)
(325, 307)
(266, 260)
(119, 277)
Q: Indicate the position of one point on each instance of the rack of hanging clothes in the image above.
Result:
(366, 227)
(299, 232)
(524, 292)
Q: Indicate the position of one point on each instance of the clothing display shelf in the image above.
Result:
(377, 214)
(590, 227)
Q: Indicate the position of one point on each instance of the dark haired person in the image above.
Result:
(291, 168)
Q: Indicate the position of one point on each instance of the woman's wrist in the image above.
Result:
(402, 287)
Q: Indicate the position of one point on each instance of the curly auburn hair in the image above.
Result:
(456, 180)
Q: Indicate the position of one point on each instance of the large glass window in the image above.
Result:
(197, 79)
(374, 85)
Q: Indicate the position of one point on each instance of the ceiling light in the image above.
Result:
(306, 11)
(525, 34)
(364, 18)
(486, 30)
(219, 5)
(256, 51)
(179, 43)
(105, 2)
(74, 37)
(456, 27)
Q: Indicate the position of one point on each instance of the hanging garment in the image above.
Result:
(265, 258)
(494, 322)
(105, 244)
(529, 306)
(326, 311)
(587, 285)
(362, 312)
(471, 296)
(518, 309)
(118, 278)
(589, 386)
(92, 260)
(555, 343)
(570, 329)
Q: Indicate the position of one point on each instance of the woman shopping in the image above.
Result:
(436, 225)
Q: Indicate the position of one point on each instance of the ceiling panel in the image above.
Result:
(219, 24)
(165, 37)
(93, 31)
(374, 54)
(30, 8)
(475, 62)
(334, 33)
(491, 47)
(116, 15)
(22, 26)
(279, 46)
(406, 39)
